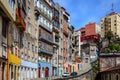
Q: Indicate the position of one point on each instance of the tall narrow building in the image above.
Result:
(56, 38)
(7, 17)
(29, 50)
(43, 12)
(65, 23)
(70, 48)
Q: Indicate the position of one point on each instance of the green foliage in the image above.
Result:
(95, 68)
(109, 35)
(113, 47)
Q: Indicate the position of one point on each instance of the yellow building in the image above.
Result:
(111, 22)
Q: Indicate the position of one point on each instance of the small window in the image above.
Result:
(28, 11)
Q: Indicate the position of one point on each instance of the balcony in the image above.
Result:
(44, 26)
(56, 26)
(8, 9)
(41, 11)
(55, 17)
(46, 38)
(56, 29)
(65, 30)
(47, 49)
(20, 21)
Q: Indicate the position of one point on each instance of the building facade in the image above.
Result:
(110, 22)
(29, 56)
(70, 48)
(56, 38)
(65, 23)
(77, 52)
(35, 40)
(43, 12)
(89, 34)
(7, 15)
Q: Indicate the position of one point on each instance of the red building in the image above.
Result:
(90, 31)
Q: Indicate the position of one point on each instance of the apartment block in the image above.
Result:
(43, 13)
(65, 24)
(56, 39)
(60, 34)
(110, 22)
(29, 51)
(5, 18)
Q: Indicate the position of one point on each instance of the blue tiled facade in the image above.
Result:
(44, 65)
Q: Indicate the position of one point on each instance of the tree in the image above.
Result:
(109, 35)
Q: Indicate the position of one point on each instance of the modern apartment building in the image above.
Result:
(43, 12)
(56, 38)
(110, 22)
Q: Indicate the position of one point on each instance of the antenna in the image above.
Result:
(112, 7)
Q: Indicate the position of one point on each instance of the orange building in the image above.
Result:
(90, 31)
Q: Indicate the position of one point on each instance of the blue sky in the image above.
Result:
(85, 11)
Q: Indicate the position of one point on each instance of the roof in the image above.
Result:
(111, 69)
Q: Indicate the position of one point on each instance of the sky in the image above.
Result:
(85, 11)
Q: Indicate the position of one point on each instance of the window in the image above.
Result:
(61, 21)
(46, 59)
(36, 49)
(55, 60)
(28, 11)
(32, 48)
(50, 14)
(4, 27)
(29, 27)
(28, 45)
(12, 3)
(86, 60)
(4, 51)
(47, 12)
(35, 33)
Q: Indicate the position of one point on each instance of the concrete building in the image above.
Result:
(7, 15)
(77, 51)
(29, 50)
(70, 48)
(56, 38)
(109, 66)
(60, 52)
(43, 12)
(89, 34)
(65, 23)
(12, 26)
(111, 22)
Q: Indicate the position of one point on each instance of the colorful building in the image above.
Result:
(65, 23)
(43, 13)
(45, 69)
